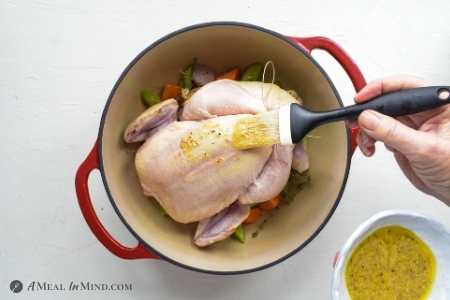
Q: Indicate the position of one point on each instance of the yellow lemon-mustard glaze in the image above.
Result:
(253, 132)
(391, 263)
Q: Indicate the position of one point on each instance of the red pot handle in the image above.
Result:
(87, 209)
(350, 67)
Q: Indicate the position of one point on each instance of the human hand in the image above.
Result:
(420, 142)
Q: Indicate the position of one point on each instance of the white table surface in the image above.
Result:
(58, 62)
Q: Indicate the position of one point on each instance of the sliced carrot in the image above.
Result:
(233, 74)
(270, 204)
(170, 91)
(255, 214)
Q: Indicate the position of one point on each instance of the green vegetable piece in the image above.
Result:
(149, 97)
(253, 72)
(278, 82)
(186, 77)
(239, 234)
(295, 184)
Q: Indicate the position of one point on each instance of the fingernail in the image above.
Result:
(357, 97)
(369, 120)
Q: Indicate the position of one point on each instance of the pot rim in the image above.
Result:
(100, 141)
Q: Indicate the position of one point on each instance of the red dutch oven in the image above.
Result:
(220, 45)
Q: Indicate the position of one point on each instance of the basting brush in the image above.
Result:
(292, 122)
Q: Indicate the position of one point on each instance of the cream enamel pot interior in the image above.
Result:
(220, 45)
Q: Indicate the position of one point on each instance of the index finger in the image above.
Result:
(386, 85)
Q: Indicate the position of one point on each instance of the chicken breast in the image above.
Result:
(192, 169)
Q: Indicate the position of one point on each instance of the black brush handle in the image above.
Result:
(393, 104)
(400, 103)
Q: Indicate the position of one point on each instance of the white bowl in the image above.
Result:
(436, 235)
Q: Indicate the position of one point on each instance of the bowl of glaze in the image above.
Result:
(433, 233)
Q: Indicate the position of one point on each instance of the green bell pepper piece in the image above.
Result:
(149, 97)
(253, 72)
(186, 77)
(239, 234)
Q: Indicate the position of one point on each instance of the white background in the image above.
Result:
(58, 62)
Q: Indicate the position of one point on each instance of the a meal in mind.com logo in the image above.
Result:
(16, 286)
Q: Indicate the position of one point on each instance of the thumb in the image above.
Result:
(393, 133)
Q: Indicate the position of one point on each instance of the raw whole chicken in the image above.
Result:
(190, 167)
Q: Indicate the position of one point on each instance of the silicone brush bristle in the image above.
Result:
(256, 131)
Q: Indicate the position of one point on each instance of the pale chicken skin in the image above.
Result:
(191, 168)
